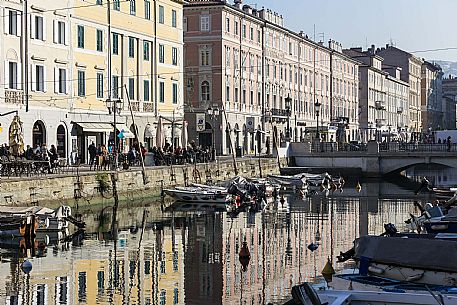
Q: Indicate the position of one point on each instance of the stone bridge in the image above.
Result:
(375, 160)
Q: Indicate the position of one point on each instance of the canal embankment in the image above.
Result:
(91, 188)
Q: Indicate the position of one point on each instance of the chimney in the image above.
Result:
(372, 49)
(387, 45)
(247, 9)
(238, 3)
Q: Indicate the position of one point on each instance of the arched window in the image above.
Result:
(61, 141)
(205, 91)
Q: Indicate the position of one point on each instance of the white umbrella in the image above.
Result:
(184, 136)
(159, 134)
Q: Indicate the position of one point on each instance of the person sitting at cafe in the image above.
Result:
(29, 154)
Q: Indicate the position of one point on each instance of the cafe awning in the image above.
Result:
(127, 133)
(95, 127)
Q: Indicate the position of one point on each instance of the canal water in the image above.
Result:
(193, 258)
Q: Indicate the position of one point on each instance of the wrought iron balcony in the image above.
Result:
(380, 105)
(14, 97)
(280, 112)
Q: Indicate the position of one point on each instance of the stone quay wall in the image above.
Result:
(88, 188)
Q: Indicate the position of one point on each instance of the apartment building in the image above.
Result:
(265, 78)
(411, 73)
(431, 97)
(383, 98)
(64, 56)
(449, 87)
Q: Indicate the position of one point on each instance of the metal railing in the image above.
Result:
(417, 147)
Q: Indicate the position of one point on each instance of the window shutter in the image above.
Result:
(32, 26)
(67, 33)
(45, 83)
(33, 77)
(19, 76)
(55, 31)
(19, 24)
(7, 74)
(44, 28)
(66, 82)
(56, 80)
(6, 20)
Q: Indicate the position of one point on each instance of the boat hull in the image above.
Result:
(199, 197)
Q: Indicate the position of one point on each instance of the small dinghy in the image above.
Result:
(199, 195)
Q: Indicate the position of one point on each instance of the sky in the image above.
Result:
(412, 25)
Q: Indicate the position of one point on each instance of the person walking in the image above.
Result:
(448, 142)
(92, 155)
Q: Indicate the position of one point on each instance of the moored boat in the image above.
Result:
(195, 194)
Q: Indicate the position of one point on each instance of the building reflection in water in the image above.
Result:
(194, 258)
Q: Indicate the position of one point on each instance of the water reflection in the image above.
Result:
(193, 258)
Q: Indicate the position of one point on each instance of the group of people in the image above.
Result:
(100, 156)
(180, 155)
(38, 153)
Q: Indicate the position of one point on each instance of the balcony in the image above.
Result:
(380, 105)
(14, 97)
(135, 106)
(278, 112)
(148, 107)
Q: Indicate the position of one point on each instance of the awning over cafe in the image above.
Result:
(95, 127)
(127, 133)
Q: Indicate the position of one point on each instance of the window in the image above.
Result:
(100, 40)
(115, 44)
(61, 34)
(162, 92)
(251, 34)
(132, 7)
(174, 90)
(146, 50)
(132, 88)
(117, 5)
(236, 95)
(204, 23)
(236, 28)
(205, 91)
(80, 36)
(163, 297)
(146, 90)
(99, 85)
(204, 54)
(176, 296)
(39, 78)
(147, 10)
(131, 47)
(115, 86)
(14, 23)
(161, 53)
(81, 83)
(38, 33)
(227, 25)
(259, 36)
(244, 31)
(99, 2)
(227, 93)
(174, 56)
(61, 80)
(12, 75)
(174, 19)
(184, 24)
(161, 14)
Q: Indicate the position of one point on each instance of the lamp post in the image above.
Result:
(288, 113)
(317, 108)
(114, 107)
(213, 113)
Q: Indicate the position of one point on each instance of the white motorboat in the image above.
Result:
(199, 195)
(305, 295)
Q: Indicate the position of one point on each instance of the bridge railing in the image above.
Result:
(419, 147)
(329, 147)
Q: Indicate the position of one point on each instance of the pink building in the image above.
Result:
(263, 79)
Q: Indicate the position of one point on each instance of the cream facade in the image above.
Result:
(433, 112)
(62, 54)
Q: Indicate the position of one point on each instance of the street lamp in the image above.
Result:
(288, 113)
(114, 107)
(213, 113)
(317, 108)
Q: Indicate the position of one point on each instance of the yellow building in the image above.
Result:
(59, 63)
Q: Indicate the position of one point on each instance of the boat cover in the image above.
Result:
(427, 254)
